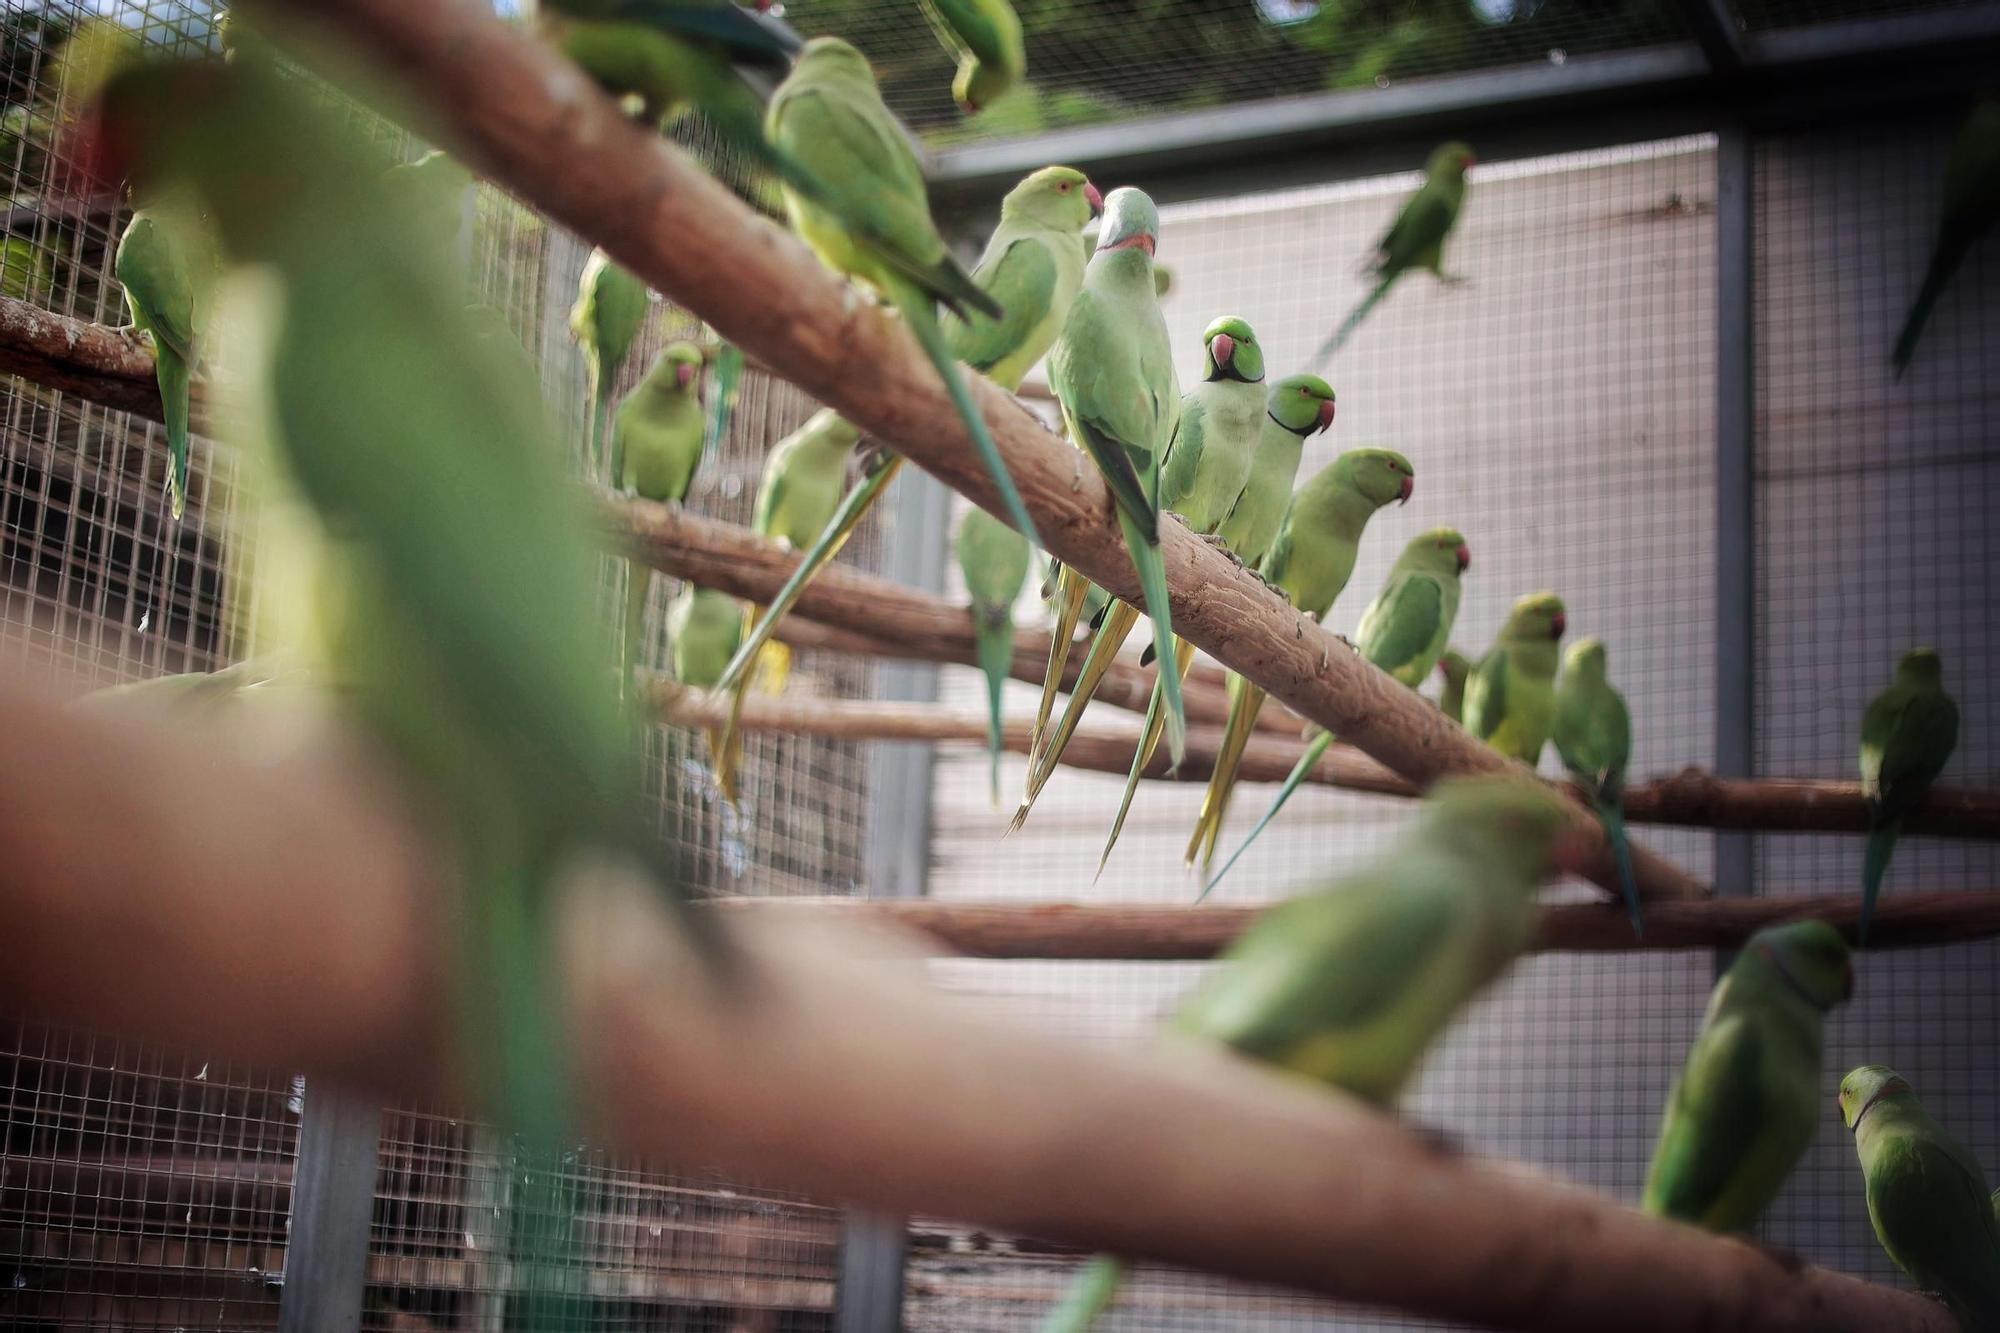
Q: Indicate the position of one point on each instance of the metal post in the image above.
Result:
(333, 1200)
(872, 1247)
(1735, 489)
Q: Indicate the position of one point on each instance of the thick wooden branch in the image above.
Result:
(1802, 805)
(289, 912)
(110, 367)
(1171, 932)
(529, 120)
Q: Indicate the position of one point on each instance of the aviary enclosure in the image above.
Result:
(1664, 391)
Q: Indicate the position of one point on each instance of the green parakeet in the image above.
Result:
(994, 559)
(1907, 735)
(1295, 407)
(1510, 698)
(468, 647)
(1453, 668)
(1033, 265)
(1747, 1098)
(156, 264)
(877, 227)
(1350, 985)
(1927, 1196)
(1416, 239)
(432, 191)
(984, 36)
(703, 629)
(1970, 207)
(1309, 562)
(1207, 466)
(725, 387)
(23, 271)
(1404, 631)
(656, 445)
(1593, 734)
(610, 310)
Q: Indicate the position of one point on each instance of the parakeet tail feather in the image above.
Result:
(1111, 636)
(1088, 1297)
(1875, 865)
(993, 635)
(172, 371)
(1612, 814)
(1152, 570)
(1246, 701)
(1292, 781)
(1943, 263)
(1072, 590)
(1338, 338)
(1149, 742)
(638, 584)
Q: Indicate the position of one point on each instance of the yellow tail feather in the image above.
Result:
(1247, 702)
(1072, 589)
(1119, 618)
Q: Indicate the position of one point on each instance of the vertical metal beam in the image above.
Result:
(333, 1199)
(1735, 488)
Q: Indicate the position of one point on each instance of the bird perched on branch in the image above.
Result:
(1746, 1101)
(656, 446)
(1452, 669)
(1593, 735)
(1510, 698)
(1907, 735)
(1416, 239)
(703, 629)
(610, 310)
(994, 559)
(1970, 208)
(984, 36)
(1927, 1196)
(164, 264)
(1403, 632)
(1350, 985)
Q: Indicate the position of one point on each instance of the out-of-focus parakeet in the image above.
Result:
(1404, 631)
(1907, 735)
(804, 475)
(1971, 206)
(984, 36)
(195, 693)
(1453, 668)
(1033, 265)
(656, 441)
(1747, 1098)
(610, 310)
(1112, 371)
(725, 386)
(1349, 986)
(876, 226)
(1163, 281)
(1593, 734)
(703, 629)
(1927, 1196)
(1295, 407)
(23, 271)
(1309, 562)
(468, 648)
(1510, 698)
(1416, 239)
(994, 559)
(432, 190)
(157, 264)
(493, 329)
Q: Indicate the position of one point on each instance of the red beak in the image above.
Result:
(682, 374)
(1326, 415)
(1557, 624)
(1464, 558)
(1409, 487)
(1094, 197)
(1139, 241)
(1444, 672)
(1222, 349)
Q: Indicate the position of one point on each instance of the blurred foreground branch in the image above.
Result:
(288, 911)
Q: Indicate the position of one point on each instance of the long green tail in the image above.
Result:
(1943, 263)
(921, 315)
(854, 507)
(1881, 846)
(1149, 742)
(1292, 781)
(597, 382)
(1119, 618)
(1152, 568)
(1338, 338)
(1072, 590)
(725, 386)
(1612, 814)
(638, 584)
(173, 374)
(1088, 1297)
(994, 638)
(1246, 701)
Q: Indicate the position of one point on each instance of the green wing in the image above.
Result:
(1115, 460)
(1920, 742)
(769, 496)
(1023, 280)
(1486, 695)
(1424, 222)
(1181, 470)
(1408, 626)
(1279, 558)
(966, 27)
(872, 170)
(1715, 1125)
(154, 273)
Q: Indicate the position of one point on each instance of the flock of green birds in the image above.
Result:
(406, 422)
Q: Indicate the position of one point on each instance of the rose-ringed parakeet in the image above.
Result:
(984, 36)
(1510, 698)
(1927, 1196)
(610, 310)
(1971, 206)
(876, 225)
(1403, 632)
(1349, 986)
(158, 264)
(994, 559)
(1452, 669)
(656, 445)
(1033, 266)
(1309, 562)
(1593, 735)
(1416, 239)
(1207, 466)
(703, 629)
(1907, 735)
(1747, 1098)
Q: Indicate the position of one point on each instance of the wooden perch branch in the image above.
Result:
(112, 367)
(288, 912)
(1177, 932)
(532, 122)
